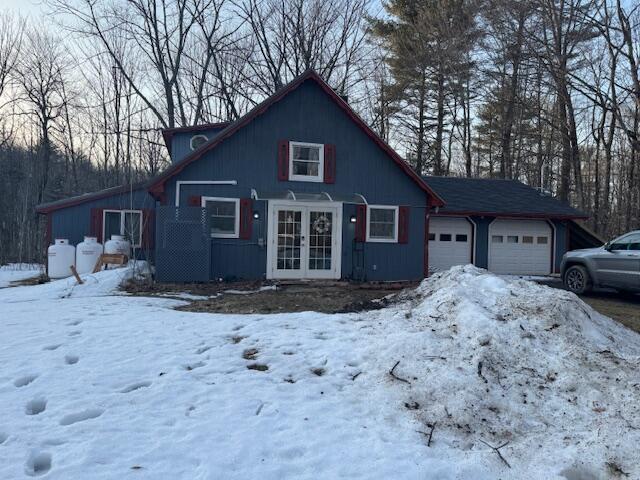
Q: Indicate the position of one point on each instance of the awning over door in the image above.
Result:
(354, 198)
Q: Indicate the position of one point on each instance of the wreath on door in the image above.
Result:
(322, 224)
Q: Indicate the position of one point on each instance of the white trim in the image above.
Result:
(307, 178)
(336, 257)
(396, 221)
(236, 233)
(206, 139)
(474, 232)
(179, 183)
(122, 230)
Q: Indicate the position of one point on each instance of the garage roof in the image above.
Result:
(509, 198)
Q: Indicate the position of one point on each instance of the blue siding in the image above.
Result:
(561, 245)
(74, 222)
(482, 241)
(181, 142)
(307, 114)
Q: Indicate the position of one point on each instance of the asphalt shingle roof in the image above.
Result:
(493, 196)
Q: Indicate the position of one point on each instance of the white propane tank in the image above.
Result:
(60, 257)
(87, 254)
(118, 244)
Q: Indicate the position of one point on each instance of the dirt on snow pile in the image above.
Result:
(500, 361)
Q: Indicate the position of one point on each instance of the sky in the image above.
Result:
(23, 6)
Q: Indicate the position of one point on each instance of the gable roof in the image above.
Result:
(156, 186)
(494, 197)
(87, 197)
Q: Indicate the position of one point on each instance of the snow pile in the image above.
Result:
(102, 283)
(497, 360)
(16, 272)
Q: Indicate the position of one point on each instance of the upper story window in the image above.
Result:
(127, 223)
(197, 141)
(383, 224)
(225, 216)
(306, 162)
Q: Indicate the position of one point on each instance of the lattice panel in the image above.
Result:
(183, 244)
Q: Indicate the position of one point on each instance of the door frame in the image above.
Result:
(337, 238)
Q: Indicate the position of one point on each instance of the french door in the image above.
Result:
(304, 241)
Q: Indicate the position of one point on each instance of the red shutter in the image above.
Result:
(403, 225)
(148, 231)
(96, 223)
(246, 218)
(195, 201)
(329, 163)
(283, 160)
(361, 223)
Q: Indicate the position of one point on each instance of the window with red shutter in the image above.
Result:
(246, 218)
(361, 223)
(329, 163)
(403, 225)
(283, 160)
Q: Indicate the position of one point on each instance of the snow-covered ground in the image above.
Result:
(99, 385)
(15, 272)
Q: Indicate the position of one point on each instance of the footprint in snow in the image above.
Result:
(52, 347)
(71, 359)
(201, 350)
(81, 416)
(135, 386)
(75, 333)
(38, 464)
(75, 323)
(3, 437)
(192, 366)
(35, 406)
(24, 381)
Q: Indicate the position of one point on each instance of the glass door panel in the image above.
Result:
(320, 240)
(289, 240)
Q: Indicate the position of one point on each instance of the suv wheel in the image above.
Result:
(577, 279)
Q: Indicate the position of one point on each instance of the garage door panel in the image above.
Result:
(520, 247)
(449, 243)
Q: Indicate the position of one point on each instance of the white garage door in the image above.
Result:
(520, 247)
(449, 242)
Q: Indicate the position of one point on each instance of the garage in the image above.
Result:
(450, 242)
(520, 247)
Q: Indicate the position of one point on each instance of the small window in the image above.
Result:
(461, 237)
(497, 239)
(543, 240)
(445, 237)
(197, 141)
(306, 162)
(432, 237)
(527, 239)
(127, 223)
(225, 216)
(512, 239)
(383, 224)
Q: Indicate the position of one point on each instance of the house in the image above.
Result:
(301, 188)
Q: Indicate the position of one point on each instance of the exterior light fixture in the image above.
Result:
(256, 214)
(352, 219)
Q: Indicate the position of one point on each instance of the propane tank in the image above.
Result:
(87, 254)
(118, 244)
(61, 256)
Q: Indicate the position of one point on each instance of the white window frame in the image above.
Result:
(122, 231)
(206, 139)
(236, 233)
(396, 209)
(307, 178)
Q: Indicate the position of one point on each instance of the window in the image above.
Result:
(225, 216)
(445, 237)
(306, 162)
(497, 239)
(432, 237)
(383, 224)
(127, 223)
(626, 242)
(461, 237)
(197, 141)
(527, 239)
(512, 239)
(542, 240)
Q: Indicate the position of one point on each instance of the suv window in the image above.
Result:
(626, 242)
